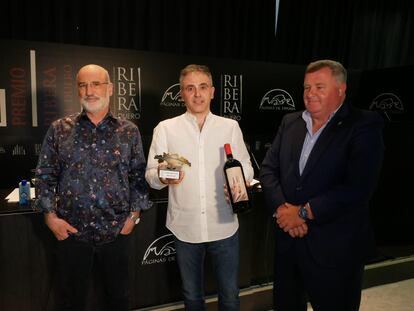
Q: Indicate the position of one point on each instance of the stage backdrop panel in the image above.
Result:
(38, 85)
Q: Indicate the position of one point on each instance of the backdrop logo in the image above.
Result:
(19, 88)
(3, 114)
(37, 149)
(231, 96)
(277, 99)
(127, 92)
(387, 103)
(172, 97)
(18, 150)
(160, 250)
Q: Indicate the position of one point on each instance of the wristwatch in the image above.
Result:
(135, 218)
(303, 213)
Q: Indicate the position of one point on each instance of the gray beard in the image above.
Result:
(101, 104)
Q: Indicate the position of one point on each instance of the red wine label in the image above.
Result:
(237, 184)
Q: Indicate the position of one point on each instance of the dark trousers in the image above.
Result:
(299, 278)
(75, 261)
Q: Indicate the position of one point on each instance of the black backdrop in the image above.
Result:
(368, 34)
(363, 35)
(388, 91)
(37, 85)
(146, 92)
(256, 94)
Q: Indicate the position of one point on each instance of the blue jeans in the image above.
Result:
(225, 259)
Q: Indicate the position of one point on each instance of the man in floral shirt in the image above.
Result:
(91, 189)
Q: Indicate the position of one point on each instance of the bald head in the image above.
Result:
(93, 69)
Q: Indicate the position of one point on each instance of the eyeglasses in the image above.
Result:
(93, 85)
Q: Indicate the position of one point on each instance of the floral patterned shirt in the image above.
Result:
(92, 176)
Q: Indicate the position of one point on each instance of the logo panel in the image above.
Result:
(127, 92)
(232, 96)
(277, 99)
(161, 250)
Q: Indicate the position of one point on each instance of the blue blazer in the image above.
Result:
(338, 180)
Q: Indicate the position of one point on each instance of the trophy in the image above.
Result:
(174, 165)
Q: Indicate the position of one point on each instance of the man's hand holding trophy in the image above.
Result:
(169, 168)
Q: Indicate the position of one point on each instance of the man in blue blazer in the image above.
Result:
(318, 177)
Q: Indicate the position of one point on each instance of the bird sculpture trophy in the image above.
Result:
(174, 164)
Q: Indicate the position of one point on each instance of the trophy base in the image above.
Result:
(170, 174)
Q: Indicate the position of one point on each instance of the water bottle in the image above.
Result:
(24, 192)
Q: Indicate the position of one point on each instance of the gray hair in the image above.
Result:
(195, 68)
(338, 71)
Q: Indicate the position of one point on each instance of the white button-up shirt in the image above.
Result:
(197, 209)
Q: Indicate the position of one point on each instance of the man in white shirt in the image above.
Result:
(198, 214)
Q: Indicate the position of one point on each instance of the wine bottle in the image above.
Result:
(236, 183)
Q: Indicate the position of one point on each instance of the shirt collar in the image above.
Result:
(190, 117)
(307, 116)
(108, 117)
